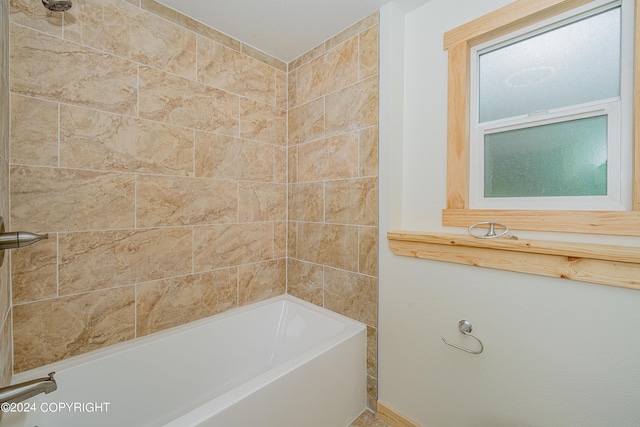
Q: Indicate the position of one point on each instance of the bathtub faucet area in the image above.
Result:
(20, 392)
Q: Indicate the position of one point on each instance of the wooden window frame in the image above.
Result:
(458, 42)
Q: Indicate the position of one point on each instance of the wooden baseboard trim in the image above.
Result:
(394, 418)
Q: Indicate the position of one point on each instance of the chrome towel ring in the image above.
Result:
(466, 327)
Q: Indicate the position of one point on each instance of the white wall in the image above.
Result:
(557, 352)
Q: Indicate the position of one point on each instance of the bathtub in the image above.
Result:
(277, 363)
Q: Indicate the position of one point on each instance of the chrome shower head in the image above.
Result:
(57, 5)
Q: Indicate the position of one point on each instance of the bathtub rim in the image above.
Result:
(352, 328)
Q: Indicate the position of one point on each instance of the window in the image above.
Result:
(547, 111)
(563, 161)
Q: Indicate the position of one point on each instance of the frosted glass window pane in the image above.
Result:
(560, 159)
(570, 65)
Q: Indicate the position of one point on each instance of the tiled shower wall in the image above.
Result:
(153, 151)
(333, 179)
(5, 292)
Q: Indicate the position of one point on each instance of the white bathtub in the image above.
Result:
(277, 363)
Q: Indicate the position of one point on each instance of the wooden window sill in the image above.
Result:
(602, 264)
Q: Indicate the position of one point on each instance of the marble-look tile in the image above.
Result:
(369, 52)
(224, 68)
(372, 393)
(167, 303)
(328, 244)
(262, 122)
(216, 156)
(280, 239)
(174, 16)
(368, 419)
(91, 139)
(34, 271)
(259, 201)
(292, 164)
(306, 202)
(166, 201)
(47, 67)
(306, 122)
(219, 246)
(368, 251)
(334, 70)
(369, 151)
(280, 164)
(261, 281)
(351, 294)
(292, 83)
(352, 201)
(263, 57)
(331, 158)
(372, 351)
(307, 56)
(133, 33)
(358, 27)
(354, 107)
(305, 281)
(256, 161)
(33, 15)
(105, 259)
(281, 90)
(51, 330)
(292, 239)
(34, 131)
(44, 199)
(174, 100)
(6, 353)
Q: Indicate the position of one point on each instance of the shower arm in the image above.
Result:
(16, 239)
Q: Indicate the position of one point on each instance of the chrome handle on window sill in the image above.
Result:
(466, 327)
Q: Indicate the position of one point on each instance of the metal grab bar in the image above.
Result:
(466, 327)
(19, 392)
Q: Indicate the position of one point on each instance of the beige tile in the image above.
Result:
(263, 57)
(104, 259)
(307, 56)
(47, 67)
(167, 303)
(133, 33)
(369, 52)
(354, 107)
(44, 199)
(281, 90)
(306, 122)
(6, 353)
(352, 201)
(260, 201)
(368, 251)
(216, 156)
(292, 239)
(183, 20)
(280, 239)
(328, 244)
(178, 101)
(306, 202)
(34, 271)
(368, 419)
(51, 330)
(334, 70)
(219, 246)
(33, 15)
(331, 158)
(262, 122)
(369, 151)
(292, 83)
(261, 281)
(280, 164)
(227, 69)
(34, 131)
(292, 164)
(351, 294)
(91, 139)
(364, 23)
(256, 161)
(166, 201)
(305, 281)
(372, 393)
(372, 351)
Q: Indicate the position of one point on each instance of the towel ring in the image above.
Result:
(466, 327)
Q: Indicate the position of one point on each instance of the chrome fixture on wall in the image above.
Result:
(16, 239)
(465, 328)
(57, 5)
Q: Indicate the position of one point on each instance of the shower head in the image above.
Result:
(57, 5)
